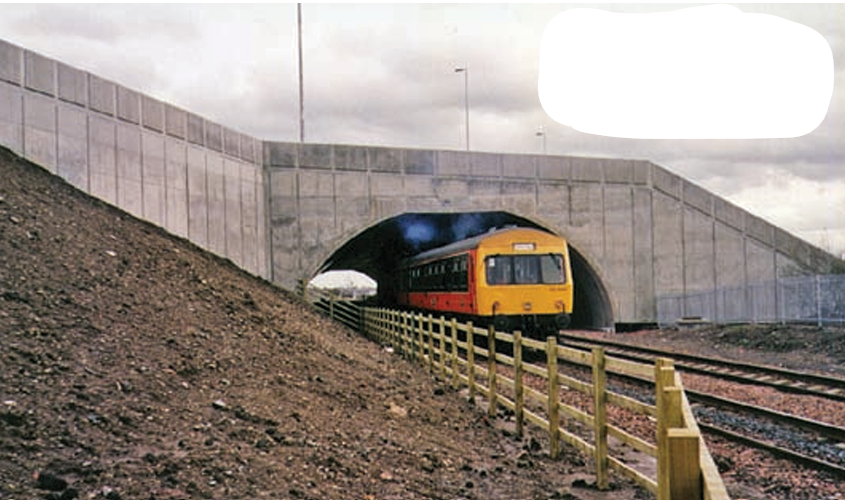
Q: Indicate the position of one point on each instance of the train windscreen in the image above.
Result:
(525, 269)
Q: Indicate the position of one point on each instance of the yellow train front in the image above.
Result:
(515, 279)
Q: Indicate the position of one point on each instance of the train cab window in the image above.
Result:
(499, 270)
(525, 269)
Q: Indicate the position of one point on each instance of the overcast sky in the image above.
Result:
(383, 74)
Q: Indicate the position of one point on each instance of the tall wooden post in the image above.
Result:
(554, 397)
(519, 391)
(471, 360)
(491, 369)
(600, 417)
(442, 347)
(455, 379)
(430, 344)
(421, 347)
(664, 378)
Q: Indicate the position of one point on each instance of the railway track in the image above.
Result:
(814, 438)
(786, 380)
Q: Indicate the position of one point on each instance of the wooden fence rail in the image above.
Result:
(466, 355)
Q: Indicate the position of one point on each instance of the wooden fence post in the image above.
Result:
(443, 347)
(421, 348)
(664, 377)
(519, 392)
(491, 369)
(471, 360)
(600, 417)
(685, 480)
(430, 344)
(454, 353)
(554, 397)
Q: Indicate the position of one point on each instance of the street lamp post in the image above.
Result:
(542, 133)
(299, 50)
(465, 71)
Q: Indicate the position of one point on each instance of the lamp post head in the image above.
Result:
(459, 70)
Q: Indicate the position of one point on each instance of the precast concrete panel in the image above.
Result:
(382, 208)
(386, 185)
(666, 181)
(40, 73)
(759, 229)
(101, 95)
(248, 147)
(73, 84)
(196, 129)
(790, 268)
(643, 252)
(155, 177)
(176, 165)
(11, 116)
(283, 154)
(729, 213)
(73, 146)
(102, 158)
(214, 136)
(554, 168)
(385, 160)
(484, 187)
(152, 112)
(419, 162)
(345, 157)
(263, 244)
(485, 165)
(698, 198)
(587, 169)
(315, 156)
(249, 215)
(216, 204)
(730, 257)
(641, 172)
(761, 295)
(668, 244)
(618, 171)
(452, 163)
(760, 262)
(316, 183)
(11, 63)
(353, 185)
(516, 166)
(553, 197)
(586, 222)
(231, 142)
(39, 130)
(451, 190)
(352, 211)
(619, 250)
(130, 189)
(234, 222)
(128, 105)
(316, 207)
(175, 122)
(197, 197)
(699, 265)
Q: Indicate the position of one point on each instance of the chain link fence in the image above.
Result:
(816, 300)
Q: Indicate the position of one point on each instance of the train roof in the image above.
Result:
(467, 244)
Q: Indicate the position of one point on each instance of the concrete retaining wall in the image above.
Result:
(195, 178)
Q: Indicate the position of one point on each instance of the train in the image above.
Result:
(513, 278)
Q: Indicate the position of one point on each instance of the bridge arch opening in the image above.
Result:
(377, 250)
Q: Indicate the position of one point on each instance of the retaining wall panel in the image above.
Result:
(452, 163)
(216, 204)
(73, 146)
(39, 132)
(101, 95)
(666, 181)
(234, 222)
(729, 213)
(618, 253)
(345, 157)
(176, 164)
(128, 105)
(11, 117)
(249, 214)
(485, 165)
(519, 166)
(11, 63)
(175, 121)
(587, 169)
(39, 73)
(316, 183)
(197, 197)
(73, 84)
(315, 156)
(152, 112)
(155, 196)
(643, 251)
(698, 251)
(554, 167)
(484, 187)
(130, 192)
(231, 142)
(386, 185)
(213, 136)
(668, 247)
(760, 229)
(102, 158)
(642, 172)
(351, 185)
(419, 162)
(196, 129)
(385, 160)
(618, 171)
